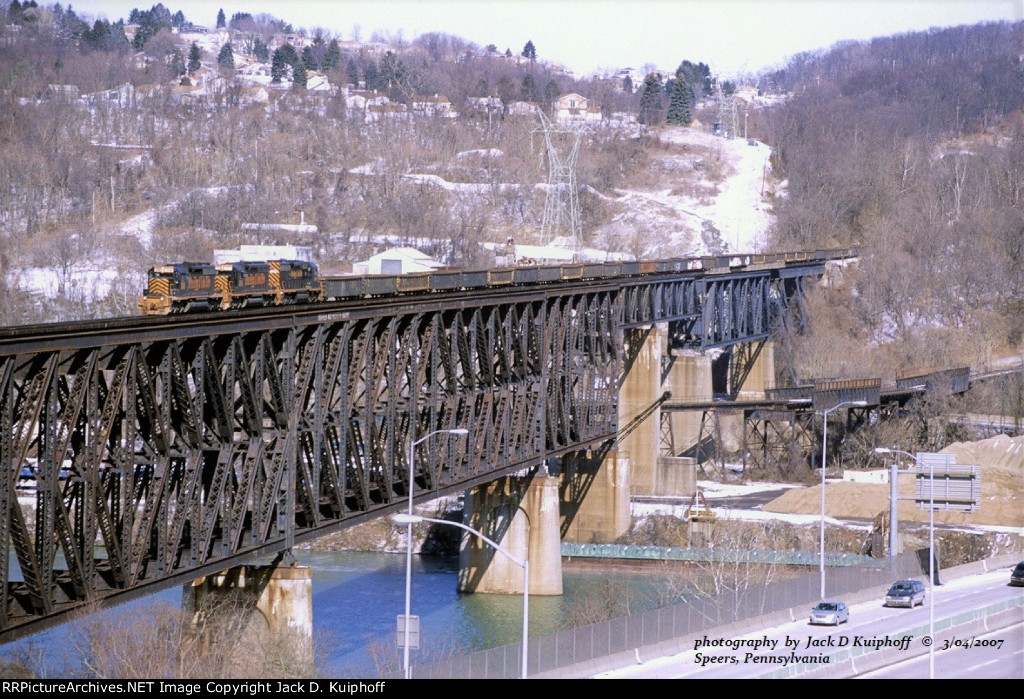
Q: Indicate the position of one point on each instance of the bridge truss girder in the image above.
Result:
(164, 451)
(710, 312)
(157, 461)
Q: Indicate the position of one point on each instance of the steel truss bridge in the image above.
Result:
(163, 449)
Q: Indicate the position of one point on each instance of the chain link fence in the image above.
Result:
(663, 630)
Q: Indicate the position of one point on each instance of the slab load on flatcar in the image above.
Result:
(197, 286)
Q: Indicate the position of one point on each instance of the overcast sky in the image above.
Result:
(597, 36)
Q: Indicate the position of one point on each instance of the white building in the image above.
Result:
(397, 261)
(261, 253)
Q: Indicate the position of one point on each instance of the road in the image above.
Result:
(960, 662)
(874, 636)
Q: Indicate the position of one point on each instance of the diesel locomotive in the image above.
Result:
(200, 286)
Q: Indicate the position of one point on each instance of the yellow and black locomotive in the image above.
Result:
(195, 286)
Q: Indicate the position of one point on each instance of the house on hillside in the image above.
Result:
(378, 112)
(59, 93)
(570, 106)
(488, 108)
(574, 107)
(317, 82)
(436, 105)
(521, 109)
(115, 97)
(253, 94)
(360, 101)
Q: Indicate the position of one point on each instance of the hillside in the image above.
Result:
(1002, 490)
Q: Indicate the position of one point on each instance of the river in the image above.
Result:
(357, 597)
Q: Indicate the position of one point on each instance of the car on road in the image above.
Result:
(905, 593)
(831, 612)
(1017, 576)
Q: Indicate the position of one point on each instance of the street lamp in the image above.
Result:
(824, 443)
(931, 550)
(408, 539)
(523, 563)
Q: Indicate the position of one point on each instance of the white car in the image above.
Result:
(832, 612)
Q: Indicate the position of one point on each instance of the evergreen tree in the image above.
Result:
(552, 91)
(240, 20)
(260, 50)
(650, 100)
(371, 75)
(698, 75)
(627, 85)
(194, 58)
(289, 54)
(104, 36)
(14, 12)
(353, 73)
(150, 23)
(529, 91)
(332, 56)
(221, 22)
(278, 66)
(309, 58)
(529, 51)
(177, 63)
(394, 76)
(299, 76)
(680, 102)
(226, 57)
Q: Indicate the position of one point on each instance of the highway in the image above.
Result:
(979, 633)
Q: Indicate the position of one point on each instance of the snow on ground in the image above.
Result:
(715, 196)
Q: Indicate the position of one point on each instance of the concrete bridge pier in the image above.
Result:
(641, 388)
(263, 613)
(595, 496)
(744, 372)
(522, 516)
(689, 379)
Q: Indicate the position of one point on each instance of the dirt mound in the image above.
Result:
(1002, 490)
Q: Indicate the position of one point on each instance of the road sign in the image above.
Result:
(947, 485)
(414, 631)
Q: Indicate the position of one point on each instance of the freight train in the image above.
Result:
(197, 286)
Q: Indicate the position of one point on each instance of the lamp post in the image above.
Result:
(824, 443)
(408, 538)
(931, 550)
(523, 563)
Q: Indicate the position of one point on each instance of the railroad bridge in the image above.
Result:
(166, 449)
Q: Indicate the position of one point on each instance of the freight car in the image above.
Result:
(198, 286)
(194, 286)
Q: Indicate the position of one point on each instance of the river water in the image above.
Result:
(358, 596)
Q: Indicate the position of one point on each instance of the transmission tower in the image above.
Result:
(728, 114)
(561, 205)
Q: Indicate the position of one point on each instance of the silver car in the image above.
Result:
(832, 612)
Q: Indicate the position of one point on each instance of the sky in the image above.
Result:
(734, 37)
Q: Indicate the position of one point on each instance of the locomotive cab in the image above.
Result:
(243, 284)
(176, 288)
